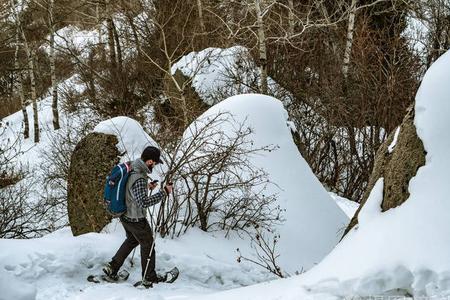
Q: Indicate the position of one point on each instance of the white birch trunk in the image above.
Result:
(30, 54)
(23, 102)
(30, 57)
(291, 18)
(99, 23)
(262, 47)
(200, 15)
(53, 68)
(349, 44)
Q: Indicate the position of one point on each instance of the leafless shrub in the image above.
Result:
(216, 185)
(17, 213)
(264, 243)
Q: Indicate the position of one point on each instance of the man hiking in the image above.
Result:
(134, 221)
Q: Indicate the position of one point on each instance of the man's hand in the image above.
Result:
(152, 185)
(168, 187)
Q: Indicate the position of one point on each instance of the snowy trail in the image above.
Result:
(58, 264)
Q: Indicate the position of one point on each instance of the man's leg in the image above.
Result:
(144, 236)
(125, 249)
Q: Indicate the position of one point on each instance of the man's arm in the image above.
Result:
(139, 191)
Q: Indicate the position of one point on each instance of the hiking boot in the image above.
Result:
(162, 278)
(147, 283)
(111, 274)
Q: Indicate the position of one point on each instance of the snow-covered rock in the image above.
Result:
(71, 37)
(406, 247)
(217, 73)
(130, 134)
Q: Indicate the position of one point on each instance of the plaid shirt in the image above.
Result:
(140, 190)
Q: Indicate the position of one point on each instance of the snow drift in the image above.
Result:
(314, 222)
(406, 247)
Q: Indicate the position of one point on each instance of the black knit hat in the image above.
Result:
(152, 153)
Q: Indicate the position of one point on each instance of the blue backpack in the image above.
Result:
(115, 189)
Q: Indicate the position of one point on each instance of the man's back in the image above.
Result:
(139, 172)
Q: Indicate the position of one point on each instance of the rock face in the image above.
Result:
(92, 160)
(397, 167)
(170, 113)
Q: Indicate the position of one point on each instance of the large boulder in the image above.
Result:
(91, 161)
(397, 161)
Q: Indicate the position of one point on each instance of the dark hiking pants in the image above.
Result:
(137, 233)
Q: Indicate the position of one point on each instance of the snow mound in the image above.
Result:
(349, 207)
(314, 222)
(130, 134)
(217, 73)
(406, 247)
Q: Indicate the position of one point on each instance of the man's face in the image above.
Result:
(150, 163)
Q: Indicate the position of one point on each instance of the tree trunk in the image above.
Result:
(99, 23)
(291, 18)
(349, 44)
(53, 69)
(33, 94)
(26, 132)
(30, 57)
(200, 15)
(262, 47)
(111, 43)
(23, 102)
(118, 48)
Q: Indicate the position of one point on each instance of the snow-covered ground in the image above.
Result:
(57, 265)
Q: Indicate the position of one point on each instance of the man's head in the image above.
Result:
(151, 156)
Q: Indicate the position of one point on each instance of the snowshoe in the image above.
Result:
(121, 276)
(168, 277)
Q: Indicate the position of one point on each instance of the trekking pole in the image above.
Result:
(132, 257)
(154, 237)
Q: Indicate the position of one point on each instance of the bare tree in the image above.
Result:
(200, 15)
(434, 15)
(30, 52)
(17, 68)
(262, 45)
